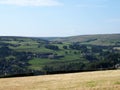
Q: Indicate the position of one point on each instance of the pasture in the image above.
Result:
(98, 80)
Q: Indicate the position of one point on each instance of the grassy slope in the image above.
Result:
(100, 39)
(31, 45)
(100, 80)
(28, 44)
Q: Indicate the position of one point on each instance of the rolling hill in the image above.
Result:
(100, 39)
(24, 56)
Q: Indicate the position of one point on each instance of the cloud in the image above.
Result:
(31, 2)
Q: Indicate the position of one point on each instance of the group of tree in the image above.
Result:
(13, 63)
(52, 47)
(108, 62)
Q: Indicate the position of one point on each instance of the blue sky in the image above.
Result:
(41, 18)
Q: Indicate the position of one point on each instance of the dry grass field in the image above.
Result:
(99, 80)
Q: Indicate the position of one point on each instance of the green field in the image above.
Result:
(100, 39)
(21, 55)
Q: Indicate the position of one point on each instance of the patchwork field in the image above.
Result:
(20, 56)
(99, 80)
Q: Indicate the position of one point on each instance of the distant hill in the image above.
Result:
(98, 39)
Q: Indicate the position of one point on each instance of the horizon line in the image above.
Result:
(55, 36)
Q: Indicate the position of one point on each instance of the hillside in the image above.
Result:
(100, 39)
(100, 80)
(24, 56)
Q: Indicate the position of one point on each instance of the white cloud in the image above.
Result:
(31, 2)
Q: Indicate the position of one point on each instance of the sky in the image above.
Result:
(59, 18)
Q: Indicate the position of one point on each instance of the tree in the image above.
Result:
(65, 47)
(53, 47)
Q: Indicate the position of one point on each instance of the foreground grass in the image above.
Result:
(100, 80)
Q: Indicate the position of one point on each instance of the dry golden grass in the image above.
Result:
(100, 80)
